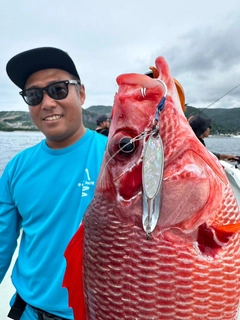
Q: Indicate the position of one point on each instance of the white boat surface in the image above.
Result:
(233, 174)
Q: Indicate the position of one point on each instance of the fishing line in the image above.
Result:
(220, 97)
(216, 100)
(143, 135)
(161, 104)
(136, 138)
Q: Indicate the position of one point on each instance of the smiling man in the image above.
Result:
(45, 189)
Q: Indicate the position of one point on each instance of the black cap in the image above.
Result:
(199, 124)
(102, 118)
(24, 64)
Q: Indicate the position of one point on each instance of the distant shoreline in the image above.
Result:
(19, 129)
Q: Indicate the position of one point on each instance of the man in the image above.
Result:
(103, 124)
(45, 189)
(202, 127)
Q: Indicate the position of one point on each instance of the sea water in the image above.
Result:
(10, 144)
(226, 145)
(13, 142)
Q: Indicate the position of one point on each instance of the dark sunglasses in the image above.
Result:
(57, 91)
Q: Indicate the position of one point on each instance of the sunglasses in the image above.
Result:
(57, 91)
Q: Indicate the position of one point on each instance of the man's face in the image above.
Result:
(206, 133)
(106, 124)
(59, 120)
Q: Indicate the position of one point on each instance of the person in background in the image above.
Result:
(45, 189)
(103, 124)
(202, 127)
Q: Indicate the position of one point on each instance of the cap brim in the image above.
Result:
(23, 65)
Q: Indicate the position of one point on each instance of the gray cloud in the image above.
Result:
(107, 38)
(206, 61)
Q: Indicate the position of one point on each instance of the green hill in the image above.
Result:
(21, 120)
(100, 109)
(224, 121)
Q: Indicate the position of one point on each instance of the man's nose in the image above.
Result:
(47, 101)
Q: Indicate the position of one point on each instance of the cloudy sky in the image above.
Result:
(105, 38)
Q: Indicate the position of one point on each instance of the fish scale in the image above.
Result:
(155, 271)
(188, 266)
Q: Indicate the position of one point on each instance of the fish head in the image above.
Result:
(190, 172)
(133, 113)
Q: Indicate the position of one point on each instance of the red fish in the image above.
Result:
(182, 262)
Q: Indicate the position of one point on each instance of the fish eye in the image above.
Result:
(127, 145)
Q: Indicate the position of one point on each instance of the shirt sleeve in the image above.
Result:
(10, 223)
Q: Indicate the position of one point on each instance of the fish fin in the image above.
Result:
(73, 278)
(211, 238)
(229, 228)
(155, 72)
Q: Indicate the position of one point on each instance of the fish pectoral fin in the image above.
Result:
(229, 228)
(73, 280)
(211, 238)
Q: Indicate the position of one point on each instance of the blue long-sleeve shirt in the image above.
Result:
(46, 192)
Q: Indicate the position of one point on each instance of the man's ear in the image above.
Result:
(82, 93)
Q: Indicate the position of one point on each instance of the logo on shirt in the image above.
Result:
(86, 184)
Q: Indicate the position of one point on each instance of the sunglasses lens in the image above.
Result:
(58, 90)
(33, 96)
